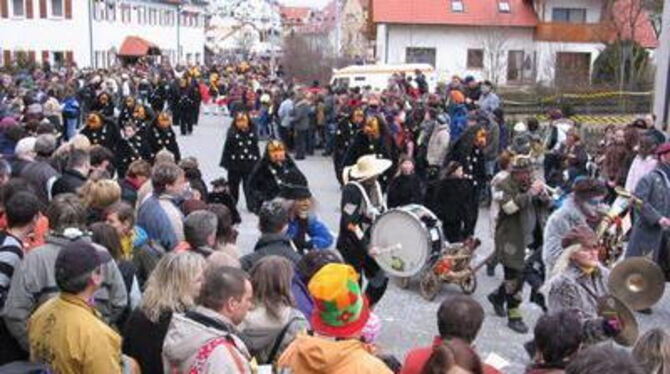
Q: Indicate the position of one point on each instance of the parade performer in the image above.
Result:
(104, 106)
(373, 139)
(514, 233)
(273, 170)
(161, 135)
(142, 117)
(649, 233)
(579, 281)
(362, 202)
(305, 229)
(159, 94)
(185, 104)
(344, 136)
(468, 151)
(581, 207)
(132, 146)
(100, 131)
(127, 110)
(240, 153)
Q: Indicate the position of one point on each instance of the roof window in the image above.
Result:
(504, 7)
(457, 6)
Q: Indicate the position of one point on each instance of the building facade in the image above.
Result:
(93, 33)
(506, 41)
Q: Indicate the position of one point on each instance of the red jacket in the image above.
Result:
(418, 357)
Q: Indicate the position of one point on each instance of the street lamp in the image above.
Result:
(179, 6)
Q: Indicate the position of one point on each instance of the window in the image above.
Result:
(457, 6)
(572, 15)
(504, 7)
(475, 59)
(56, 8)
(420, 55)
(19, 8)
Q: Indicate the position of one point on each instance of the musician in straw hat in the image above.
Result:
(578, 281)
(362, 202)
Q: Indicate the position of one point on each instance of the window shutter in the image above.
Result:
(45, 56)
(29, 8)
(69, 57)
(68, 9)
(7, 57)
(43, 8)
(4, 9)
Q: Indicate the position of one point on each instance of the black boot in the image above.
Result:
(498, 303)
(517, 325)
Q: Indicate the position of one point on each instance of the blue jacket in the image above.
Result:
(319, 234)
(162, 220)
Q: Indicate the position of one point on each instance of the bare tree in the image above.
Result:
(305, 59)
(495, 44)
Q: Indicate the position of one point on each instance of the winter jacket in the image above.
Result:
(489, 102)
(143, 340)
(438, 145)
(302, 297)
(568, 291)
(405, 189)
(160, 217)
(191, 331)
(310, 354)
(261, 332)
(638, 169)
(270, 244)
(646, 235)
(301, 116)
(559, 223)
(70, 182)
(34, 282)
(317, 234)
(41, 175)
(69, 335)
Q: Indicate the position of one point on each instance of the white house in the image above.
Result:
(94, 32)
(506, 41)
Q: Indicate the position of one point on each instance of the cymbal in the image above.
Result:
(638, 282)
(610, 305)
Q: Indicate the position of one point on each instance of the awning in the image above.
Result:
(134, 46)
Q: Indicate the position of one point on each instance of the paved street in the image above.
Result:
(408, 320)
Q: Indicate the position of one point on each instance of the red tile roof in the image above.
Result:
(294, 13)
(631, 15)
(475, 13)
(134, 46)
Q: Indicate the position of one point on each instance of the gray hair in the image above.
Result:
(45, 144)
(273, 216)
(198, 226)
(25, 147)
(164, 174)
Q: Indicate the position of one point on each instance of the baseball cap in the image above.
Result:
(78, 258)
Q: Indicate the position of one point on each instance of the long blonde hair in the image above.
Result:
(170, 286)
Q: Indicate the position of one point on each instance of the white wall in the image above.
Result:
(58, 34)
(451, 44)
(593, 8)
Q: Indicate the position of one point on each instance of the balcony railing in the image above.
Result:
(572, 32)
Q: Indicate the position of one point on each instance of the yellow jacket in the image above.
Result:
(69, 336)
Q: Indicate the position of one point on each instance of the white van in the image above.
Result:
(377, 76)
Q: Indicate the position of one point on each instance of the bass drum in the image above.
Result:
(407, 238)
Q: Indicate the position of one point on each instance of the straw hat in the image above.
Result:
(367, 167)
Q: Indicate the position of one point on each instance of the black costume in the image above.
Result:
(131, 149)
(106, 110)
(187, 98)
(405, 189)
(344, 136)
(451, 204)
(267, 178)
(360, 206)
(159, 138)
(363, 145)
(240, 155)
(159, 96)
(108, 135)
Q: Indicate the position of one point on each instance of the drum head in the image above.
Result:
(403, 240)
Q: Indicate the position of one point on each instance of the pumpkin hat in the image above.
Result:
(340, 309)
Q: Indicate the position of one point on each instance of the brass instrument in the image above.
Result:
(637, 281)
(612, 306)
(611, 231)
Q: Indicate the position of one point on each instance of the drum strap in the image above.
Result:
(372, 211)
